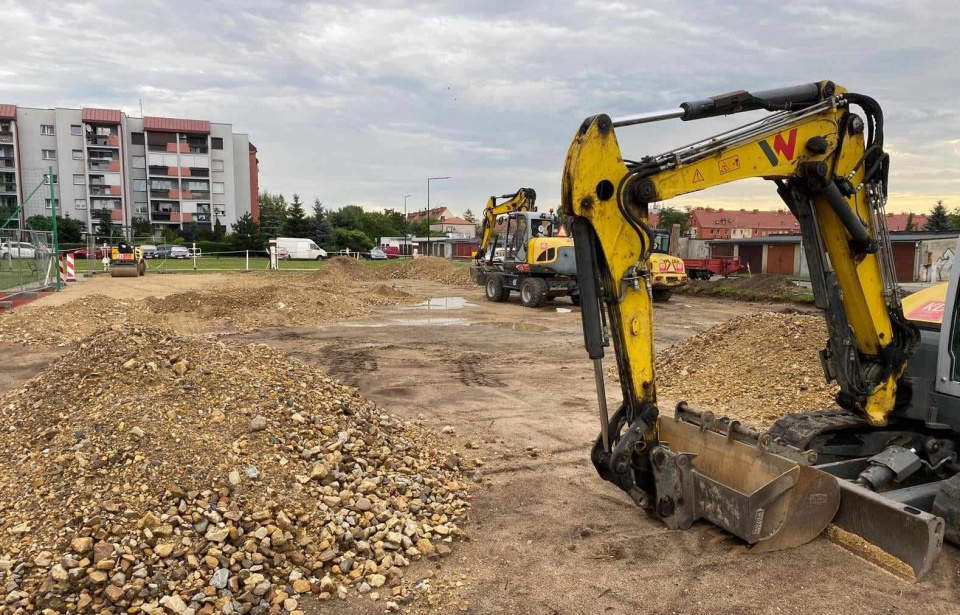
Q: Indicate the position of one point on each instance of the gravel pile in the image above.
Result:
(430, 268)
(246, 303)
(31, 325)
(145, 472)
(755, 368)
(757, 287)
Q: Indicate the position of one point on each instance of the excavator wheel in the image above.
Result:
(533, 292)
(661, 295)
(495, 291)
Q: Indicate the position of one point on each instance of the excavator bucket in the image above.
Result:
(767, 500)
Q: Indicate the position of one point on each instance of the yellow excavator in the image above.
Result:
(530, 256)
(881, 465)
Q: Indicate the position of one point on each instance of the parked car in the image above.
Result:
(149, 250)
(391, 251)
(169, 251)
(17, 249)
(301, 249)
(85, 253)
(376, 254)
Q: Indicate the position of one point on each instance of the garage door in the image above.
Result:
(903, 260)
(780, 258)
(751, 255)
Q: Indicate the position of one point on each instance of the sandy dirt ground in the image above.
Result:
(547, 536)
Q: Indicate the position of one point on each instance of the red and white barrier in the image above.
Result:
(68, 271)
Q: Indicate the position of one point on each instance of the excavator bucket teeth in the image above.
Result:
(768, 501)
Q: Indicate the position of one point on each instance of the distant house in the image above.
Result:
(437, 213)
(710, 223)
(457, 227)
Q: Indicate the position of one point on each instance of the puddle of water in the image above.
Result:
(442, 303)
(517, 326)
(410, 322)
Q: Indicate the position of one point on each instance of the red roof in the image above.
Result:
(8, 112)
(435, 213)
(454, 220)
(101, 116)
(780, 220)
(898, 222)
(169, 124)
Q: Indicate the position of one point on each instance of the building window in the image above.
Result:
(80, 203)
(47, 129)
(139, 185)
(219, 210)
(216, 143)
(48, 154)
(46, 179)
(218, 187)
(139, 162)
(78, 154)
(76, 130)
(78, 179)
(136, 138)
(141, 208)
(217, 165)
(46, 203)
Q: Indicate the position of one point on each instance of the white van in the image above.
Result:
(301, 249)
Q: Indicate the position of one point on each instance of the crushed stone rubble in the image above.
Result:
(156, 473)
(754, 368)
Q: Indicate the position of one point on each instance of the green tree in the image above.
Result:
(171, 235)
(376, 224)
(469, 217)
(938, 220)
(356, 241)
(670, 216)
(191, 233)
(246, 234)
(141, 227)
(322, 232)
(348, 217)
(297, 224)
(218, 230)
(68, 229)
(910, 225)
(273, 213)
(104, 228)
(421, 227)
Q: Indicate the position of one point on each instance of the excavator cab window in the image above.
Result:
(661, 241)
(518, 247)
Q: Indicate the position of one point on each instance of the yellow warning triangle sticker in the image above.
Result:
(697, 176)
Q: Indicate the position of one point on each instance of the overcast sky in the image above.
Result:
(359, 102)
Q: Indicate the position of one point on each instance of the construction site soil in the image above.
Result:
(507, 390)
(759, 287)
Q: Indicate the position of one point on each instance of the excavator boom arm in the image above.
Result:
(829, 168)
(523, 199)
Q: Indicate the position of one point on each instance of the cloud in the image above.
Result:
(359, 102)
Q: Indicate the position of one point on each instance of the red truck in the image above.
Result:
(704, 268)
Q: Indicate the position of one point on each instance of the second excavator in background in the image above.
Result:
(882, 465)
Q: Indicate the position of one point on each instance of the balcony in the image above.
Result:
(170, 148)
(6, 163)
(6, 137)
(165, 193)
(103, 140)
(8, 187)
(104, 165)
(195, 195)
(195, 172)
(161, 171)
(202, 217)
(104, 190)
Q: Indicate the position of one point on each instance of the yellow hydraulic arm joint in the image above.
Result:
(523, 199)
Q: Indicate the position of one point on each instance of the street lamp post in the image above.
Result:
(430, 179)
(406, 223)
